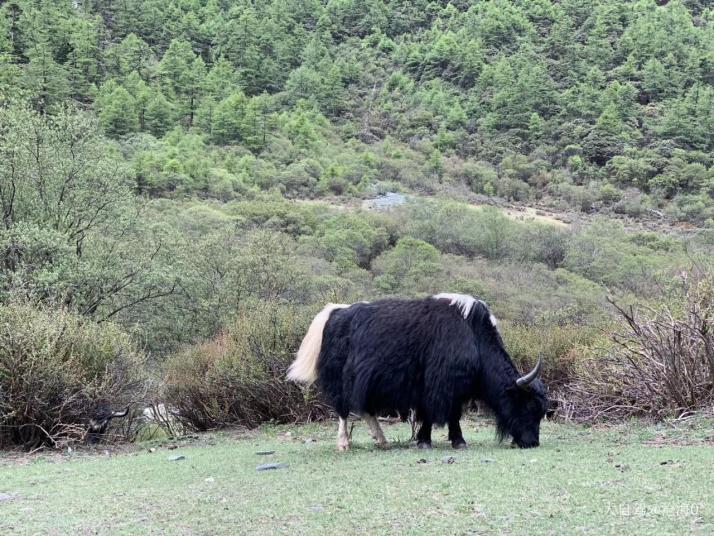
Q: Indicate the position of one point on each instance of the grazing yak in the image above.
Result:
(430, 355)
(98, 424)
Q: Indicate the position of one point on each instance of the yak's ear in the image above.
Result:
(517, 392)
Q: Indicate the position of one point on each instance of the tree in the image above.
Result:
(182, 73)
(231, 120)
(519, 85)
(69, 230)
(117, 110)
(44, 79)
(158, 117)
(131, 54)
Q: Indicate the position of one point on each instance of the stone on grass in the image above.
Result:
(176, 458)
(271, 466)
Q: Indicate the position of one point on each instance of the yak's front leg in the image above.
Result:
(343, 439)
(424, 435)
(376, 430)
(455, 435)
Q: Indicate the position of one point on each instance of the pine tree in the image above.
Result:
(117, 110)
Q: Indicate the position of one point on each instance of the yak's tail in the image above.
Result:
(304, 368)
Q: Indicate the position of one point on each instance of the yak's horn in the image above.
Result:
(523, 381)
(120, 413)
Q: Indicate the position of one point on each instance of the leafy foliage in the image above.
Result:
(631, 89)
(56, 369)
(238, 377)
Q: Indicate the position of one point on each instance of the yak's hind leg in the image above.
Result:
(424, 433)
(455, 435)
(343, 438)
(376, 430)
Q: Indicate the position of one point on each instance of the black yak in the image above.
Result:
(98, 424)
(430, 355)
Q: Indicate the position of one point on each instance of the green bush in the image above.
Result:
(560, 346)
(239, 376)
(405, 266)
(56, 369)
(458, 228)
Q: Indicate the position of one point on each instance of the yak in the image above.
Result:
(430, 355)
(102, 416)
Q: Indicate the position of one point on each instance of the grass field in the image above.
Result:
(628, 479)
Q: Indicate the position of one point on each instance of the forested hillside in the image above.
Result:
(181, 183)
(604, 105)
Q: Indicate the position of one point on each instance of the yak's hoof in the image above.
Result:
(459, 444)
(424, 445)
(343, 447)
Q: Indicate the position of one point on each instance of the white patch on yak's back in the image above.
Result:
(465, 303)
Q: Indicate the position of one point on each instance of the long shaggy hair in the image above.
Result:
(304, 368)
(430, 355)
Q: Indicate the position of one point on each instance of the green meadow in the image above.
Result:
(626, 479)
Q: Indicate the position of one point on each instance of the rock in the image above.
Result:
(176, 458)
(210, 480)
(316, 508)
(384, 202)
(265, 452)
(152, 449)
(310, 440)
(4, 497)
(448, 459)
(422, 460)
(271, 466)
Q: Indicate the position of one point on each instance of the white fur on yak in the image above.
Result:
(464, 302)
(304, 368)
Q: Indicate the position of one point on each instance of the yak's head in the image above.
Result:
(98, 424)
(525, 406)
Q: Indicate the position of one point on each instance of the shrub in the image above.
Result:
(239, 377)
(56, 369)
(480, 176)
(560, 346)
(406, 265)
(458, 228)
(661, 362)
(543, 243)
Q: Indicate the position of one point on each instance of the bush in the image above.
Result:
(661, 363)
(458, 228)
(239, 377)
(56, 370)
(407, 265)
(560, 346)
